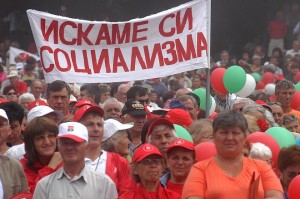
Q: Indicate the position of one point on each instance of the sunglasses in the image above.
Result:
(146, 101)
(151, 161)
(9, 94)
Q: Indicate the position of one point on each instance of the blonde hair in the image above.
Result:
(252, 123)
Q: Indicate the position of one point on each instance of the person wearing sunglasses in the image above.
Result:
(146, 168)
(10, 93)
(289, 166)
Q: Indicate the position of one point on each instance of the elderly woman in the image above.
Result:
(180, 159)
(261, 152)
(41, 158)
(25, 99)
(229, 174)
(289, 166)
(146, 169)
(115, 137)
(291, 123)
(201, 131)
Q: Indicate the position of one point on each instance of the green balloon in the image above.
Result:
(234, 79)
(256, 76)
(283, 137)
(297, 86)
(201, 93)
(182, 133)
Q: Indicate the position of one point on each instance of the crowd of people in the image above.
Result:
(143, 139)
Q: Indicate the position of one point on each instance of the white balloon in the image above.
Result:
(248, 88)
(213, 106)
(270, 89)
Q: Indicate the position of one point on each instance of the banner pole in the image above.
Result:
(207, 70)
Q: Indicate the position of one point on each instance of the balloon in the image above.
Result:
(296, 100)
(205, 150)
(297, 77)
(248, 88)
(298, 141)
(182, 133)
(256, 76)
(267, 140)
(268, 78)
(234, 79)
(216, 80)
(293, 190)
(283, 137)
(201, 92)
(297, 86)
(260, 85)
(213, 106)
(270, 89)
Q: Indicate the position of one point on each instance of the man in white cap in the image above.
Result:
(74, 180)
(4, 131)
(14, 78)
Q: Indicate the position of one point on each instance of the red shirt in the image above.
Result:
(21, 88)
(277, 29)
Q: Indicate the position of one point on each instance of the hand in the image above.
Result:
(55, 160)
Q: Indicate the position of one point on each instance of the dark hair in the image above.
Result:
(7, 89)
(38, 126)
(30, 61)
(230, 118)
(92, 90)
(135, 91)
(14, 111)
(168, 95)
(284, 85)
(57, 85)
(288, 157)
(145, 130)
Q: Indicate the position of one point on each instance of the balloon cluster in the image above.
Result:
(233, 80)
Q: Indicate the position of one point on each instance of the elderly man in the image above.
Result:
(36, 88)
(191, 105)
(277, 112)
(58, 96)
(115, 166)
(74, 180)
(90, 92)
(121, 94)
(112, 109)
(161, 134)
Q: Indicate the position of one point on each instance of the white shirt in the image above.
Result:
(1, 190)
(98, 165)
(17, 152)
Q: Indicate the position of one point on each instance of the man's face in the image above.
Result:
(143, 99)
(112, 110)
(13, 80)
(94, 125)
(289, 174)
(59, 100)
(277, 113)
(285, 97)
(72, 152)
(15, 136)
(36, 89)
(4, 130)
(196, 83)
(138, 122)
(190, 107)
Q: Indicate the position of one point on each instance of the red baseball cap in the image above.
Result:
(158, 122)
(180, 117)
(83, 102)
(181, 143)
(85, 109)
(144, 151)
(37, 103)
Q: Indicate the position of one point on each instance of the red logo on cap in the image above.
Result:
(148, 148)
(70, 128)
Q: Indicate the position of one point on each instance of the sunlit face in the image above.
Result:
(180, 161)
(149, 173)
(45, 145)
(123, 144)
(112, 110)
(94, 125)
(15, 137)
(59, 100)
(230, 142)
(285, 97)
(72, 152)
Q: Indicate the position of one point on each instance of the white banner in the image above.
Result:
(13, 52)
(80, 51)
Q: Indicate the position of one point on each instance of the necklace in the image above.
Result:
(98, 161)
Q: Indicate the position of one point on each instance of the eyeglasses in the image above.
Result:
(9, 94)
(291, 174)
(146, 101)
(151, 161)
(42, 138)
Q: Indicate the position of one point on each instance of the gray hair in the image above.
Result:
(26, 96)
(114, 101)
(247, 101)
(110, 144)
(261, 151)
(288, 119)
(159, 128)
(256, 107)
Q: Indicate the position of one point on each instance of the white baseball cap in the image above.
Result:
(73, 130)
(3, 114)
(112, 126)
(13, 73)
(40, 111)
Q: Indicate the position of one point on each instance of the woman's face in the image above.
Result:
(180, 161)
(230, 142)
(104, 96)
(123, 144)
(293, 126)
(45, 145)
(288, 175)
(11, 95)
(149, 169)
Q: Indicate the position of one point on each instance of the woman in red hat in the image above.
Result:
(146, 169)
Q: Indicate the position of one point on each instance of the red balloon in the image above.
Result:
(260, 85)
(293, 190)
(297, 77)
(205, 150)
(216, 80)
(267, 140)
(296, 100)
(268, 78)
